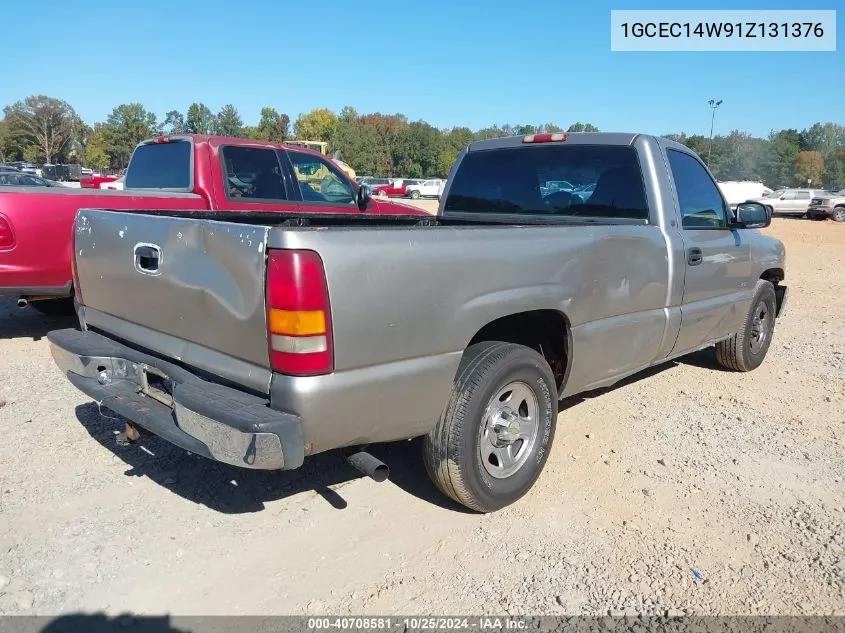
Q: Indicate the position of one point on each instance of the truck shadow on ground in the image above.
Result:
(704, 359)
(231, 490)
(102, 623)
(27, 322)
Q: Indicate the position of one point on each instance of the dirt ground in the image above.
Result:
(686, 488)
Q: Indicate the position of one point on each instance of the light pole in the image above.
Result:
(713, 104)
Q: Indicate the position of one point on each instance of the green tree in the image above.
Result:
(458, 137)
(582, 127)
(174, 123)
(489, 132)
(551, 128)
(738, 156)
(10, 148)
(76, 150)
(273, 126)
(317, 125)
(43, 123)
(779, 167)
(823, 137)
(228, 122)
(809, 168)
(446, 160)
(416, 149)
(96, 150)
(199, 120)
(834, 169)
(348, 115)
(126, 126)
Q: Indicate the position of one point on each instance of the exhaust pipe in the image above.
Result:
(369, 465)
(22, 303)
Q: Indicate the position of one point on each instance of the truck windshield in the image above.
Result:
(562, 180)
(160, 166)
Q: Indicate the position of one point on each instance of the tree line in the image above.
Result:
(43, 129)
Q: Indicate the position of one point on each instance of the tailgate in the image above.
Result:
(192, 280)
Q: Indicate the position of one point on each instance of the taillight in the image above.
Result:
(7, 237)
(544, 138)
(299, 325)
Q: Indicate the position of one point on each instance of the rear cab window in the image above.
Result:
(253, 173)
(577, 181)
(167, 166)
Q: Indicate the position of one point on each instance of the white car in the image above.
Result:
(115, 185)
(790, 201)
(426, 189)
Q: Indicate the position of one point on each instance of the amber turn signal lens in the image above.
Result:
(297, 322)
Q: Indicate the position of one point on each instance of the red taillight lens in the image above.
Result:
(299, 326)
(7, 237)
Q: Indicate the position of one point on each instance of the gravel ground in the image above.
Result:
(686, 489)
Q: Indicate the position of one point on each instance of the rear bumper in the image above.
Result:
(41, 291)
(206, 418)
(819, 211)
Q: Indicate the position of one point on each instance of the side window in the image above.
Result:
(802, 195)
(319, 180)
(700, 202)
(788, 195)
(253, 173)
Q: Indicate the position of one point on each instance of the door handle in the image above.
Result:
(147, 259)
(694, 256)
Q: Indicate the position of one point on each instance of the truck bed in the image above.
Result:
(206, 304)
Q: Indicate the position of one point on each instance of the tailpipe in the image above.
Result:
(22, 303)
(369, 465)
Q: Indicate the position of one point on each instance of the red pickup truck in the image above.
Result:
(94, 182)
(396, 188)
(184, 172)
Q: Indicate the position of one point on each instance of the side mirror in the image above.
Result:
(753, 215)
(363, 198)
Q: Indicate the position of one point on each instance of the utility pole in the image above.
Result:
(713, 104)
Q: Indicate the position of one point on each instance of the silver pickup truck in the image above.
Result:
(260, 339)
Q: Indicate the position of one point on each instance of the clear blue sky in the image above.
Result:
(449, 62)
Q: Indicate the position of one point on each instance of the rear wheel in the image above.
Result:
(415, 194)
(493, 438)
(746, 349)
(838, 214)
(382, 193)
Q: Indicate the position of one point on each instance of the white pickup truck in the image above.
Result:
(427, 189)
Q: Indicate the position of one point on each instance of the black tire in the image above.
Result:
(740, 352)
(838, 214)
(415, 194)
(54, 307)
(452, 450)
